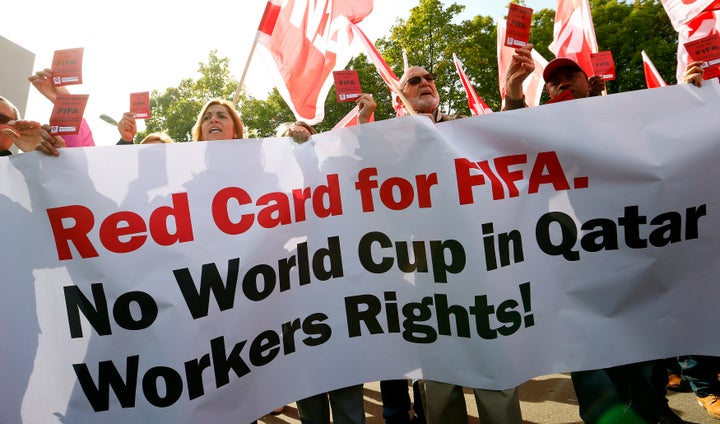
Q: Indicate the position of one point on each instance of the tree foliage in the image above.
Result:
(175, 111)
(430, 36)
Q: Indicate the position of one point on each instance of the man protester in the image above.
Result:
(564, 79)
(444, 403)
(624, 393)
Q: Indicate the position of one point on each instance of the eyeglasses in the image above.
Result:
(417, 79)
(4, 119)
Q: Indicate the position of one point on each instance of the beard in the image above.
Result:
(425, 104)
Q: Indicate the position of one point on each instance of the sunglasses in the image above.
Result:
(4, 119)
(417, 79)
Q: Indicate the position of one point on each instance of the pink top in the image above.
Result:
(83, 138)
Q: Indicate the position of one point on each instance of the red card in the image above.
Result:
(67, 67)
(563, 96)
(67, 113)
(706, 50)
(347, 85)
(517, 30)
(140, 105)
(603, 64)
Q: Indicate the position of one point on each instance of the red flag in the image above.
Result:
(574, 34)
(533, 84)
(681, 12)
(304, 41)
(705, 24)
(476, 104)
(653, 79)
(382, 67)
(351, 119)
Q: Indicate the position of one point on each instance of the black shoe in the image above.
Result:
(668, 416)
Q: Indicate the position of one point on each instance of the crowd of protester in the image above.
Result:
(626, 393)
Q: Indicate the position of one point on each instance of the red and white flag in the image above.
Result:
(476, 104)
(681, 12)
(387, 74)
(703, 25)
(303, 42)
(534, 83)
(574, 33)
(653, 79)
(351, 119)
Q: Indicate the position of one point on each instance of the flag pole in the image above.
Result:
(267, 24)
(400, 94)
(242, 78)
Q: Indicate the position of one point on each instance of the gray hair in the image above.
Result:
(12, 106)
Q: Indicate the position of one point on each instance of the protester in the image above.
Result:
(158, 137)
(42, 81)
(616, 394)
(347, 404)
(567, 79)
(443, 403)
(701, 372)
(218, 120)
(127, 127)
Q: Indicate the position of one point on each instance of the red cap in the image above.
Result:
(560, 62)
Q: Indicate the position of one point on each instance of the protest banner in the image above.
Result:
(211, 282)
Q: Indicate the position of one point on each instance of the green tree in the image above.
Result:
(262, 117)
(430, 36)
(175, 110)
(628, 28)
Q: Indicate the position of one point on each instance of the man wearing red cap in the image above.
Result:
(625, 393)
(564, 79)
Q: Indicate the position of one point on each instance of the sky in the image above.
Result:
(134, 46)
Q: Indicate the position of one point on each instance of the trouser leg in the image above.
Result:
(348, 405)
(498, 406)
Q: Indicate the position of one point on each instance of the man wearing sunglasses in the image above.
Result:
(418, 87)
(443, 403)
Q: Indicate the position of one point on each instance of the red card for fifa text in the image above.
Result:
(347, 85)
(67, 66)
(517, 30)
(603, 65)
(706, 50)
(140, 105)
(67, 114)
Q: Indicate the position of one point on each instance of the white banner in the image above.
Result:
(212, 282)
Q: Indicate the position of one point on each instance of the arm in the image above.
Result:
(30, 135)
(521, 66)
(127, 127)
(42, 81)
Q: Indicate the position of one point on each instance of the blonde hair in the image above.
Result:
(234, 115)
(157, 137)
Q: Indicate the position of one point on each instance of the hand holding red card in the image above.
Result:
(603, 64)
(67, 67)
(706, 50)
(140, 105)
(517, 32)
(67, 114)
(347, 85)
